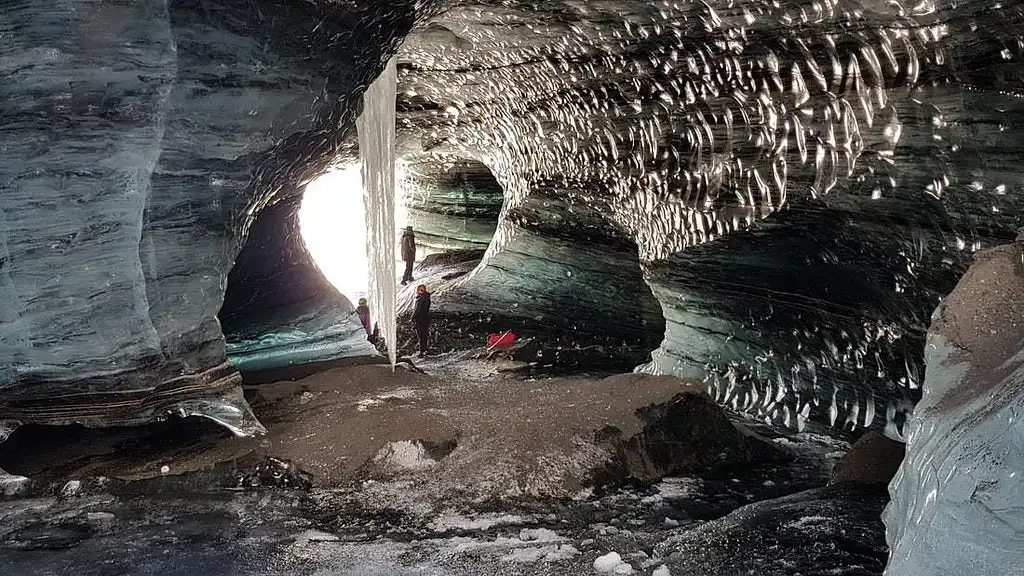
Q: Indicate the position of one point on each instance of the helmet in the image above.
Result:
(362, 301)
(421, 289)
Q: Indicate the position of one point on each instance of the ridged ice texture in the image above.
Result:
(139, 142)
(376, 127)
(957, 502)
(684, 122)
(70, 209)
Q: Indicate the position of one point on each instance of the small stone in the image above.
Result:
(165, 469)
(11, 484)
(606, 564)
(72, 488)
(873, 459)
(670, 522)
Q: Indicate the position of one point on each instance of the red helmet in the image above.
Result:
(421, 289)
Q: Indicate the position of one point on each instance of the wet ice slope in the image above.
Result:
(958, 501)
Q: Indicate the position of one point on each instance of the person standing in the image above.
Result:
(408, 253)
(421, 318)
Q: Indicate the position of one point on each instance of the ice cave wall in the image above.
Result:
(830, 137)
(957, 502)
(660, 126)
(141, 141)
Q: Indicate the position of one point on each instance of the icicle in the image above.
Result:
(376, 127)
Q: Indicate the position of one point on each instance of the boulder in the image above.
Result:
(873, 459)
(688, 433)
(818, 531)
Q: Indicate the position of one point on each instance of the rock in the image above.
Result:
(956, 499)
(276, 472)
(797, 534)
(873, 459)
(689, 433)
(606, 564)
(72, 488)
(12, 484)
(661, 571)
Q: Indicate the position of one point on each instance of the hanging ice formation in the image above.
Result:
(376, 127)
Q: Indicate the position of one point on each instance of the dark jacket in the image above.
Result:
(421, 314)
(408, 246)
(364, 317)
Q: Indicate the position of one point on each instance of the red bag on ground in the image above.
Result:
(503, 340)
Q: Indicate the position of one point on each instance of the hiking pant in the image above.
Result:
(422, 330)
(407, 277)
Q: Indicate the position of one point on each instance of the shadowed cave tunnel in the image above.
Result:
(559, 277)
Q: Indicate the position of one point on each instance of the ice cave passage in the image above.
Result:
(761, 259)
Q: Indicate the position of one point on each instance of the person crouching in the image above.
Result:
(363, 311)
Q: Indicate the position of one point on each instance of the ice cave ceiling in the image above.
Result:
(776, 193)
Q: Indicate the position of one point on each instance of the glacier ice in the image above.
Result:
(957, 502)
(376, 127)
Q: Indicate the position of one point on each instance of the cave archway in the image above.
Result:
(290, 296)
(454, 205)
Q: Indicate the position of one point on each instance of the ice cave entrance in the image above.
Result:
(332, 220)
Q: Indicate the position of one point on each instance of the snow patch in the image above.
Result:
(549, 554)
(404, 454)
(611, 563)
(806, 522)
(675, 489)
(531, 554)
(378, 400)
(450, 522)
(538, 535)
(307, 537)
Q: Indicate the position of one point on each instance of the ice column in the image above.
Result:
(376, 127)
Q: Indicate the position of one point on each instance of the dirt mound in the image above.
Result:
(873, 459)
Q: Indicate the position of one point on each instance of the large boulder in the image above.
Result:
(833, 530)
(956, 500)
(687, 434)
(873, 459)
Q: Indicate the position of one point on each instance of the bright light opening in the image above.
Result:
(332, 219)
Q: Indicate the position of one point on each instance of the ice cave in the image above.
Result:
(715, 288)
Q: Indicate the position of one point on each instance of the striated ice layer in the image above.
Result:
(686, 124)
(957, 502)
(345, 338)
(376, 127)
